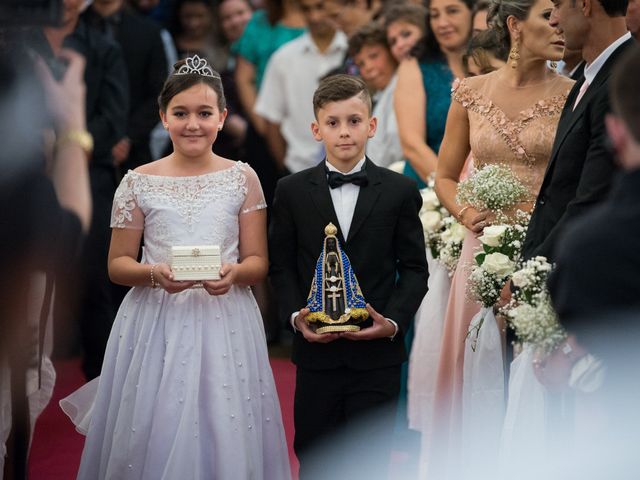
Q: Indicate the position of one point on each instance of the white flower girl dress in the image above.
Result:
(186, 390)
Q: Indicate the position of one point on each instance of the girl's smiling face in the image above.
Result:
(193, 120)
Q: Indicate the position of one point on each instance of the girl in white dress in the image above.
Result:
(186, 389)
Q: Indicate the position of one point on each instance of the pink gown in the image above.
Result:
(514, 126)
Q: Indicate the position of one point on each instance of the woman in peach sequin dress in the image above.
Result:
(506, 117)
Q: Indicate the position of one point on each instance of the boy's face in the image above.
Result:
(344, 127)
(376, 66)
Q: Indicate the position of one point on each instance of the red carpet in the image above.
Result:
(56, 449)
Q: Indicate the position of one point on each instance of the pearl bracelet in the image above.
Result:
(154, 283)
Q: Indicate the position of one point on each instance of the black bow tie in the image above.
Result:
(337, 179)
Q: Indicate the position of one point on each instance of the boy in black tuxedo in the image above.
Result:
(342, 377)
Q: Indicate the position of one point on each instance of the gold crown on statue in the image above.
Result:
(330, 229)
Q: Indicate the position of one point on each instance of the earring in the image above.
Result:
(165, 125)
(553, 64)
(514, 53)
(219, 127)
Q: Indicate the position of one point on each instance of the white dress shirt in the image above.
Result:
(344, 200)
(285, 97)
(592, 69)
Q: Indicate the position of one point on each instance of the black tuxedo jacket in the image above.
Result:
(385, 246)
(581, 165)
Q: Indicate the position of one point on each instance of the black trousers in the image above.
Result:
(344, 422)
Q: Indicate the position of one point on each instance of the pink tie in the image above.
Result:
(583, 89)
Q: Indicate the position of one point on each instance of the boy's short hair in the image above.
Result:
(336, 88)
(624, 92)
(370, 34)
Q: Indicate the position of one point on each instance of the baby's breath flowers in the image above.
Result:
(530, 312)
(494, 187)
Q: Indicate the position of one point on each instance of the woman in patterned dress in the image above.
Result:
(505, 117)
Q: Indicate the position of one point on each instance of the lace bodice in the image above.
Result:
(196, 210)
(513, 126)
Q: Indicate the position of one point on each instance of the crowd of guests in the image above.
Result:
(456, 85)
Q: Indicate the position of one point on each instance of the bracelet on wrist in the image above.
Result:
(154, 283)
(79, 138)
(461, 212)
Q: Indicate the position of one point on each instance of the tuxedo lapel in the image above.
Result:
(570, 116)
(367, 198)
(567, 118)
(321, 198)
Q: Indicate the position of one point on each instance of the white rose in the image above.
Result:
(520, 279)
(492, 235)
(431, 221)
(458, 232)
(430, 199)
(498, 264)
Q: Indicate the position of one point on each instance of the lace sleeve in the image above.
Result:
(125, 212)
(254, 199)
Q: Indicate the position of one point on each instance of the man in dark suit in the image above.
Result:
(342, 377)
(581, 168)
(598, 263)
(595, 289)
(141, 43)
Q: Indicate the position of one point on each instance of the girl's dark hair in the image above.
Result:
(177, 83)
(429, 49)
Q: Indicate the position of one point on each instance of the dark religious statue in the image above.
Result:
(335, 301)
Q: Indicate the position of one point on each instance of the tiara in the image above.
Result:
(198, 66)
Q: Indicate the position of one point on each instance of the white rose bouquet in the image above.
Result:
(495, 262)
(494, 187)
(443, 234)
(497, 259)
(530, 312)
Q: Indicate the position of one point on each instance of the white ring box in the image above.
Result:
(196, 262)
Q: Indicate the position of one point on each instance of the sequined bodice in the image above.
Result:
(196, 210)
(522, 140)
